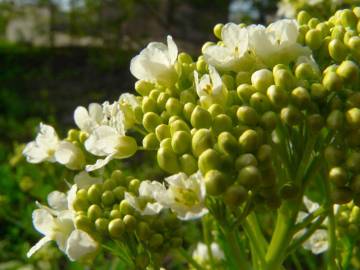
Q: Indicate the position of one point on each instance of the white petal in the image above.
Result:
(57, 200)
(84, 180)
(192, 215)
(148, 188)
(100, 163)
(66, 152)
(38, 245)
(80, 244)
(43, 221)
(310, 205)
(172, 48)
(96, 112)
(216, 80)
(34, 153)
(102, 141)
(235, 36)
(71, 196)
(82, 119)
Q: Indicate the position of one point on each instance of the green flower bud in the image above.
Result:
(245, 91)
(354, 215)
(201, 141)
(217, 30)
(313, 22)
(94, 193)
(151, 120)
(335, 120)
(83, 137)
(264, 153)
(134, 185)
(227, 143)
(209, 160)
(324, 28)
(80, 204)
(300, 97)
(243, 77)
(109, 184)
(341, 195)
(184, 58)
(166, 143)
(314, 39)
(249, 177)
(188, 164)
(150, 142)
(119, 177)
(318, 91)
(129, 222)
(215, 109)
(333, 155)
(162, 99)
(269, 120)
(353, 118)
(353, 138)
(200, 118)
(167, 160)
(260, 102)
(222, 122)
(338, 176)
(277, 96)
(349, 34)
(316, 122)
(291, 115)
(289, 191)
(187, 96)
(154, 94)
(143, 230)
(83, 223)
(156, 240)
(245, 160)
(337, 50)
(348, 70)
(332, 81)
(206, 45)
(348, 19)
(162, 132)
(268, 177)
(188, 109)
(235, 196)
(355, 184)
(148, 105)
(336, 103)
(303, 17)
(101, 225)
(201, 65)
(354, 45)
(108, 198)
(305, 71)
(181, 142)
(353, 100)
(73, 135)
(247, 115)
(284, 79)
(125, 208)
(142, 261)
(228, 81)
(178, 125)
(143, 87)
(115, 213)
(249, 141)
(173, 106)
(116, 228)
(353, 162)
(119, 192)
(94, 212)
(215, 182)
(262, 79)
(338, 32)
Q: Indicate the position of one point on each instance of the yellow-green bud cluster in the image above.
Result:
(102, 212)
(348, 220)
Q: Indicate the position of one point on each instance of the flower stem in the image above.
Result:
(237, 253)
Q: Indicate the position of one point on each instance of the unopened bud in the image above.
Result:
(215, 182)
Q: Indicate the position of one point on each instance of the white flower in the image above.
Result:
(234, 55)
(56, 223)
(210, 88)
(145, 203)
(318, 242)
(109, 139)
(88, 120)
(156, 63)
(128, 104)
(286, 9)
(185, 196)
(201, 253)
(277, 43)
(44, 146)
(48, 147)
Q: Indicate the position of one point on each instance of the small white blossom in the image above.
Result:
(318, 242)
(156, 63)
(210, 88)
(185, 196)
(201, 253)
(234, 54)
(277, 43)
(88, 120)
(286, 9)
(128, 104)
(145, 203)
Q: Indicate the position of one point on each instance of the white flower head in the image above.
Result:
(146, 203)
(210, 88)
(201, 253)
(70, 155)
(277, 43)
(234, 55)
(185, 196)
(44, 146)
(88, 120)
(318, 242)
(156, 63)
(128, 104)
(109, 140)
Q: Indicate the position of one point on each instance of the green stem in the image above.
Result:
(237, 253)
(282, 235)
(206, 233)
(189, 259)
(332, 241)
